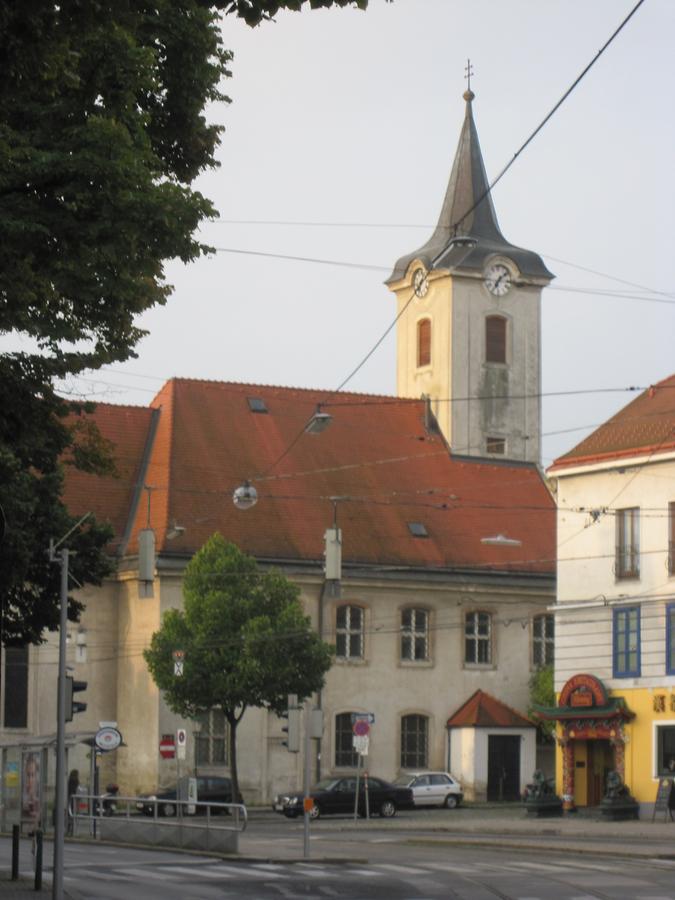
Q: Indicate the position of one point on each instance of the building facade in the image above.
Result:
(615, 616)
(427, 613)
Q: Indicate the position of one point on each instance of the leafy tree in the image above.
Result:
(102, 133)
(246, 640)
(542, 694)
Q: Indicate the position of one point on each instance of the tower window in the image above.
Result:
(418, 529)
(495, 445)
(495, 339)
(424, 342)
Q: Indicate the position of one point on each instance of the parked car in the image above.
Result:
(338, 795)
(432, 788)
(210, 789)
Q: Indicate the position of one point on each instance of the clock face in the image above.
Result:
(498, 279)
(420, 283)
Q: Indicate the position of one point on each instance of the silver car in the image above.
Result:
(432, 788)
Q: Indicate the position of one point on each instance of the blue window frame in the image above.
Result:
(670, 638)
(627, 642)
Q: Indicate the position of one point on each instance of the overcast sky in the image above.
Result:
(350, 120)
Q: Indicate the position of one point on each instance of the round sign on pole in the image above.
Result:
(108, 739)
(361, 727)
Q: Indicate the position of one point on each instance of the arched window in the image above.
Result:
(424, 342)
(345, 755)
(495, 339)
(349, 624)
(414, 742)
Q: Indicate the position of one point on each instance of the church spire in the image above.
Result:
(468, 212)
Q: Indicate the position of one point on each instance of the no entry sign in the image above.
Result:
(167, 747)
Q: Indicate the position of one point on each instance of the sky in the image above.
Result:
(343, 126)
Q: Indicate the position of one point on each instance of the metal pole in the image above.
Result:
(16, 837)
(306, 781)
(38, 860)
(59, 805)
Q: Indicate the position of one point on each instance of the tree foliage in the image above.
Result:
(102, 133)
(246, 640)
(542, 693)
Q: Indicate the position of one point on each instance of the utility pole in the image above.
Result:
(59, 802)
(60, 793)
(306, 780)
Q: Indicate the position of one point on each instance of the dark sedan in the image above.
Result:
(210, 789)
(338, 795)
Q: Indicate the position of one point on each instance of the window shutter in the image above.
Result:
(495, 339)
(424, 342)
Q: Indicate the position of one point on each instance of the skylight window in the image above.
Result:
(257, 405)
(418, 529)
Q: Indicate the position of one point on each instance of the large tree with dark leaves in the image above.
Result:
(102, 133)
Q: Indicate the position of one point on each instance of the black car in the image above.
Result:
(210, 789)
(338, 795)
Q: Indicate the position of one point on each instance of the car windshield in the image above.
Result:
(325, 784)
(403, 780)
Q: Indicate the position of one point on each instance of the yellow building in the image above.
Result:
(615, 610)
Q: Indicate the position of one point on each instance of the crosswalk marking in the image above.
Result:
(402, 870)
(142, 873)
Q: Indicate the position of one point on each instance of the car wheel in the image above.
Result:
(167, 809)
(314, 812)
(450, 801)
(388, 809)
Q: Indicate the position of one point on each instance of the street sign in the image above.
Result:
(181, 743)
(107, 738)
(167, 747)
(363, 717)
(178, 662)
(361, 727)
(360, 743)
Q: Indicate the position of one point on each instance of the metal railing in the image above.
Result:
(96, 810)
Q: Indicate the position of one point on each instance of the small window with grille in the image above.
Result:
(414, 742)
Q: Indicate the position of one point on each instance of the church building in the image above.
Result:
(447, 537)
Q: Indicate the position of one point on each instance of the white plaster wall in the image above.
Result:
(586, 575)
(457, 307)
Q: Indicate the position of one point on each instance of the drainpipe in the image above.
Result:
(319, 695)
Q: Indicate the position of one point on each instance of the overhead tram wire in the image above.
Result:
(295, 223)
(663, 297)
(455, 225)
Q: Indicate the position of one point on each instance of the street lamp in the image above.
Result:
(245, 496)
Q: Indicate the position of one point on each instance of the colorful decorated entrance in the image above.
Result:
(591, 738)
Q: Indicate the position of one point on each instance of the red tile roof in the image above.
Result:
(376, 454)
(485, 711)
(645, 426)
(110, 498)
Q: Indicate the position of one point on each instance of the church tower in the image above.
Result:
(469, 327)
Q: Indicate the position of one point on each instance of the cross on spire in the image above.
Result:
(469, 72)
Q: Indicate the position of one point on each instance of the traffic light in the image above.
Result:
(292, 729)
(74, 706)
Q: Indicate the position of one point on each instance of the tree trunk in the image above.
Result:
(233, 721)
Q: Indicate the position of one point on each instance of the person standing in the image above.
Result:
(73, 785)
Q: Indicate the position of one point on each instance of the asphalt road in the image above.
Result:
(362, 862)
